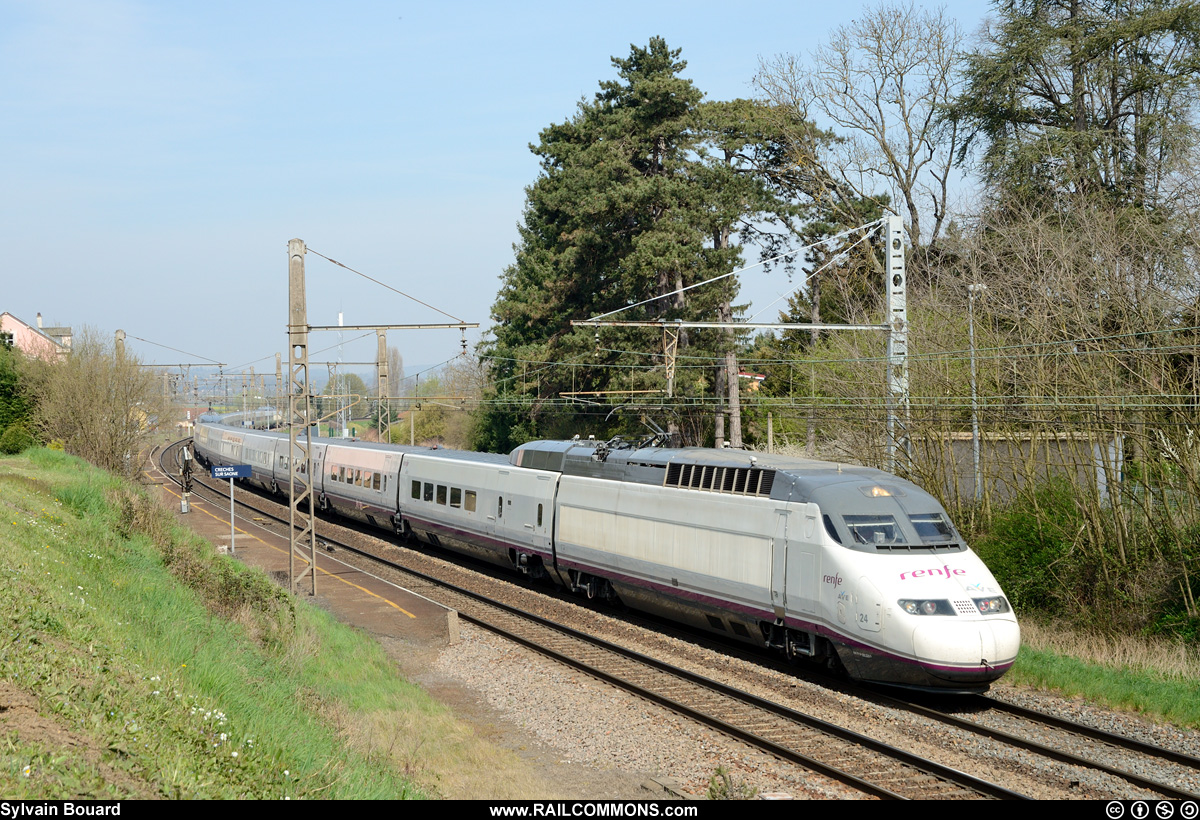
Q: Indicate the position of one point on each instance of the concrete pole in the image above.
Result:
(300, 497)
(278, 383)
(899, 445)
(381, 376)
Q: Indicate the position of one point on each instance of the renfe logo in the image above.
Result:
(944, 571)
(836, 580)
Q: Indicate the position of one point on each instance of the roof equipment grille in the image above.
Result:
(730, 480)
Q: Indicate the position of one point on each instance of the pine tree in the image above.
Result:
(624, 212)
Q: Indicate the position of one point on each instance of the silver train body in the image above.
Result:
(832, 562)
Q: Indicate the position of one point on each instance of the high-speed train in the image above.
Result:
(841, 564)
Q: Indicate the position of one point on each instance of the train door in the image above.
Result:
(542, 515)
(495, 511)
(779, 552)
(803, 569)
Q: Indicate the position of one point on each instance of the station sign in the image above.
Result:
(231, 471)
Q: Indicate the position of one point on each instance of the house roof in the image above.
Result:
(36, 341)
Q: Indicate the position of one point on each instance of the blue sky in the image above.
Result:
(159, 155)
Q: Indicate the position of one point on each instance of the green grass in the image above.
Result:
(33, 771)
(1156, 694)
(216, 687)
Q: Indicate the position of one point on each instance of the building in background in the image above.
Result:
(40, 342)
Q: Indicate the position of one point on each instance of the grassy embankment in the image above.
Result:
(1156, 677)
(153, 668)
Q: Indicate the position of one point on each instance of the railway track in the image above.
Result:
(874, 767)
(1115, 754)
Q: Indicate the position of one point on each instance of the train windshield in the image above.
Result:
(874, 529)
(933, 528)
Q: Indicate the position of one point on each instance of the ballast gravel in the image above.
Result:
(590, 723)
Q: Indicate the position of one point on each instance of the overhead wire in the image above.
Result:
(322, 350)
(982, 353)
(839, 255)
(872, 226)
(385, 285)
(174, 349)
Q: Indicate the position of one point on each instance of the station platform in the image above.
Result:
(386, 611)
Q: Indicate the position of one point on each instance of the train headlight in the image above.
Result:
(926, 607)
(992, 606)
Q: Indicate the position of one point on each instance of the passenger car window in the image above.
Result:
(470, 506)
(416, 489)
(441, 494)
(455, 497)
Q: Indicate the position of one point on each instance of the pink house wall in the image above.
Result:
(27, 339)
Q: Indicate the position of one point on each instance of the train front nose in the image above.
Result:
(974, 651)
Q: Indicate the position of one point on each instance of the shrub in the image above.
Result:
(724, 786)
(15, 439)
(1179, 614)
(1051, 563)
(1028, 546)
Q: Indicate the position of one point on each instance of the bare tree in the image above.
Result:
(395, 369)
(101, 405)
(442, 410)
(882, 82)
